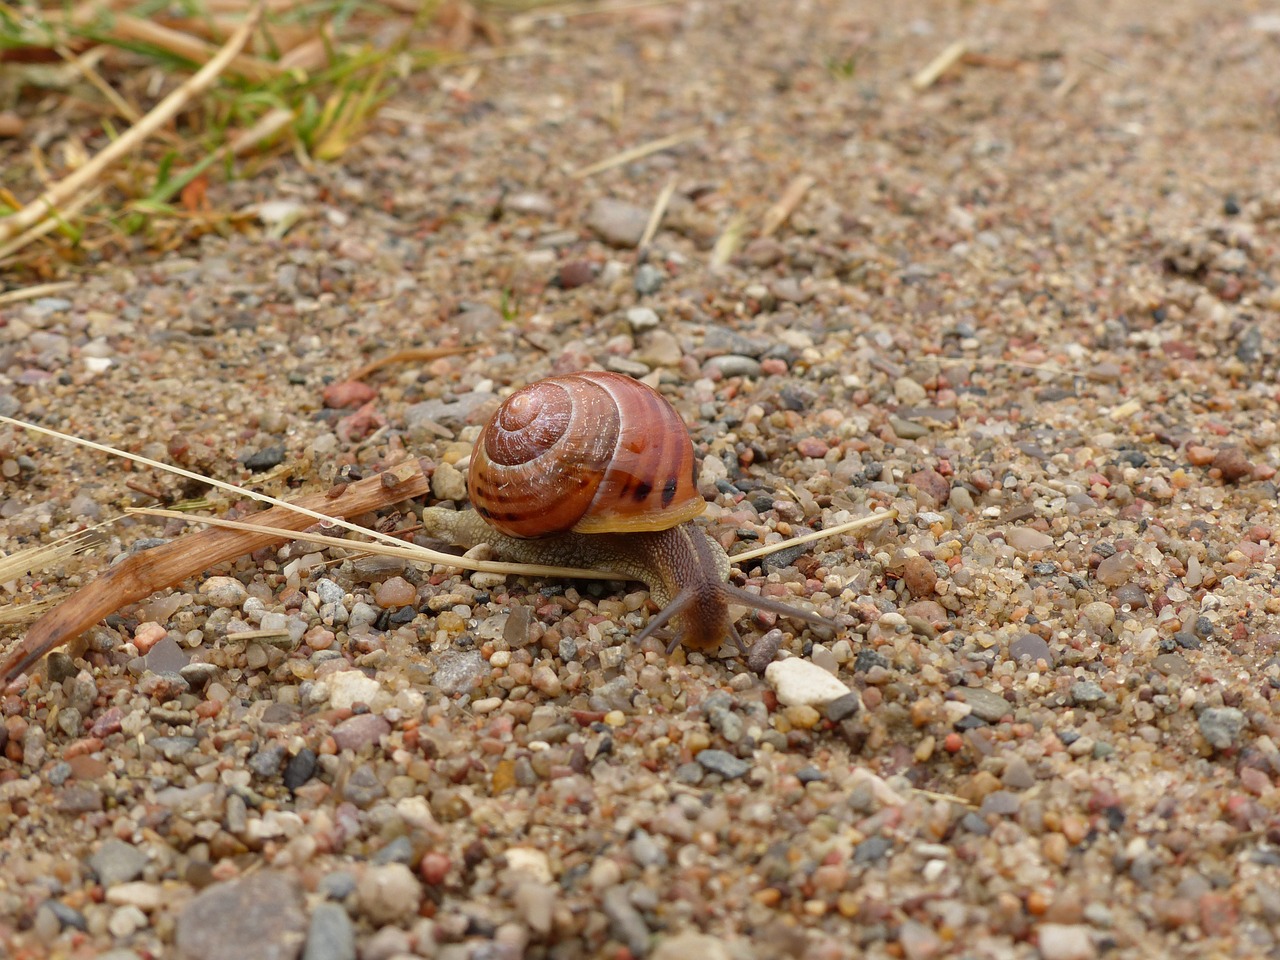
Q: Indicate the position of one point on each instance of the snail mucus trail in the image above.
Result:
(596, 470)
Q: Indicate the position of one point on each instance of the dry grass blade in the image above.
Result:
(781, 211)
(37, 559)
(66, 190)
(862, 523)
(728, 243)
(36, 291)
(55, 219)
(655, 217)
(635, 153)
(16, 613)
(939, 65)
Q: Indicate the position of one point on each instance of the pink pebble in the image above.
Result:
(148, 635)
(812, 447)
(395, 592)
(347, 393)
(774, 366)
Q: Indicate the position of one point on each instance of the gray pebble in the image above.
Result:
(117, 862)
(399, 850)
(1221, 726)
(1031, 647)
(648, 279)
(330, 935)
(362, 615)
(625, 921)
(645, 850)
(764, 650)
(642, 318)
(338, 885)
(1085, 692)
(78, 798)
(842, 708)
(724, 763)
(263, 459)
(174, 749)
(728, 723)
(199, 673)
(300, 768)
(446, 413)
(458, 671)
(690, 773)
(985, 704)
(734, 365)
(256, 917)
(166, 657)
(872, 849)
(617, 222)
(267, 761)
(1018, 774)
(329, 592)
(363, 788)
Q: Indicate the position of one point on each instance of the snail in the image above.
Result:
(597, 470)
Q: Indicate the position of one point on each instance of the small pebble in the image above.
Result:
(448, 483)
(226, 592)
(617, 222)
(348, 393)
(723, 763)
(1025, 540)
(389, 893)
(1065, 942)
(394, 592)
(1222, 726)
(642, 318)
(360, 732)
(799, 682)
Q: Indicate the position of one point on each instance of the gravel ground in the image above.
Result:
(1032, 307)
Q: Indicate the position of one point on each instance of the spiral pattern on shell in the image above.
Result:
(591, 452)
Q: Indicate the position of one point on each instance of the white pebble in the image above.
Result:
(144, 896)
(801, 683)
(531, 861)
(1065, 941)
(126, 921)
(351, 687)
(389, 893)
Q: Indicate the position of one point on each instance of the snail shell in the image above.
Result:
(590, 452)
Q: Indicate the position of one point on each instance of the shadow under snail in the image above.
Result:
(596, 470)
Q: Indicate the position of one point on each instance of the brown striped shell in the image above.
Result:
(591, 452)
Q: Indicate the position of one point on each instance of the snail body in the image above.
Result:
(597, 470)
